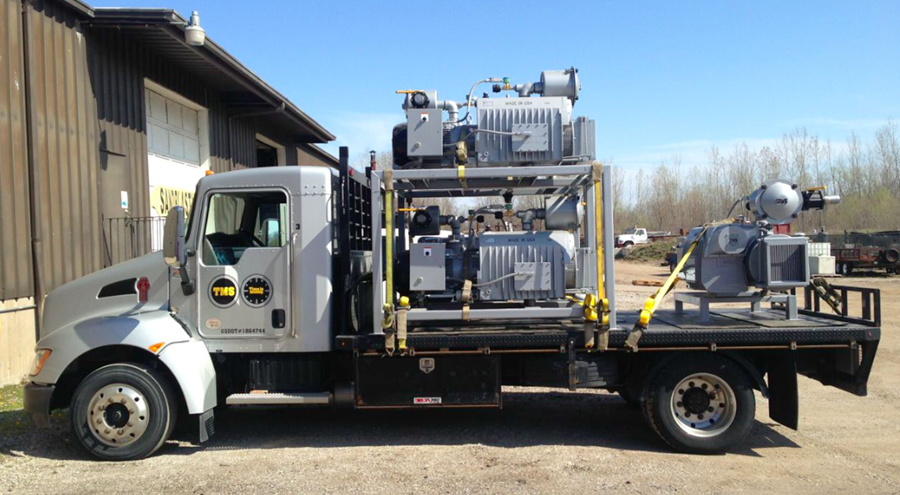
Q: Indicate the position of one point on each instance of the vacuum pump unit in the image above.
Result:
(500, 266)
(535, 128)
(524, 265)
(732, 259)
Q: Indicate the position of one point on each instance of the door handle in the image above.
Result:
(278, 318)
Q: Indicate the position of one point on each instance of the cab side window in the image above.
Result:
(239, 221)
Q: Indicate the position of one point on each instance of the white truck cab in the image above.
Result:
(632, 237)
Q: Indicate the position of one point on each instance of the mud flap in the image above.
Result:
(784, 405)
(207, 423)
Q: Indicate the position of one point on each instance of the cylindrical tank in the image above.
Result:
(562, 213)
(561, 83)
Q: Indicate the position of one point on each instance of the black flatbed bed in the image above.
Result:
(817, 327)
(726, 328)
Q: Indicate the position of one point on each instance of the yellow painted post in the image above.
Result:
(389, 249)
(602, 341)
(389, 243)
(598, 235)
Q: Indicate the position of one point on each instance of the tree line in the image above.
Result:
(867, 177)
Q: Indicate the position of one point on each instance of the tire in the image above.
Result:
(846, 269)
(678, 404)
(892, 255)
(361, 304)
(123, 412)
(628, 244)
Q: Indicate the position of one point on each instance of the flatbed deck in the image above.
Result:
(726, 328)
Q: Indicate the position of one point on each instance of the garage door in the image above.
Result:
(173, 130)
(173, 146)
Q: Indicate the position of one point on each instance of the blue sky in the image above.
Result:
(661, 78)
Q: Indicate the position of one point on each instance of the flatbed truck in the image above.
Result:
(281, 289)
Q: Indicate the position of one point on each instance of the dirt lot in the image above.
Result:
(539, 442)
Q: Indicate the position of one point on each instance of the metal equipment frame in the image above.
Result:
(704, 300)
(492, 181)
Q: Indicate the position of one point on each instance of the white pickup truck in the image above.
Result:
(632, 237)
(636, 236)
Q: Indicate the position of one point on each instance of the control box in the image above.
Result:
(427, 267)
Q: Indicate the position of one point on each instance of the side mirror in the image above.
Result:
(174, 250)
(272, 231)
(173, 238)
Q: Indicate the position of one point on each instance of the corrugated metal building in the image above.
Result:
(107, 119)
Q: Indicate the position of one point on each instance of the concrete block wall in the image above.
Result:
(16, 340)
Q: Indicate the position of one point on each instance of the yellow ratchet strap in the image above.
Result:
(653, 302)
(401, 323)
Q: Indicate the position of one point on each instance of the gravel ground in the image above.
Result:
(541, 441)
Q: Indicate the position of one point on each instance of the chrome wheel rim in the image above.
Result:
(703, 405)
(118, 415)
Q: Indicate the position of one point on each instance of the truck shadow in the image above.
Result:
(527, 419)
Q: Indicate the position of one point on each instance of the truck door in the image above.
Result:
(243, 265)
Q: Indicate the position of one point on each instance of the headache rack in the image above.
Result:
(459, 182)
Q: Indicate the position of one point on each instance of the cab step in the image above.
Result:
(280, 398)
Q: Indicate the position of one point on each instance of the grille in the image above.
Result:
(788, 263)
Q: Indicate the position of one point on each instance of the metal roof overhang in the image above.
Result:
(243, 92)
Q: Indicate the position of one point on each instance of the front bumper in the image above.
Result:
(37, 403)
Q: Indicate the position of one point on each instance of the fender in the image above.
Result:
(193, 369)
(751, 371)
(186, 358)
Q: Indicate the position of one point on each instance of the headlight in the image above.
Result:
(40, 357)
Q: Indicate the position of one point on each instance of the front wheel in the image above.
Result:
(701, 405)
(123, 412)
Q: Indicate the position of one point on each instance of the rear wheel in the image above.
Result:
(123, 412)
(846, 268)
(702, 404)
(892, 255)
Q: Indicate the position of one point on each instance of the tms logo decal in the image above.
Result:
(223, 291)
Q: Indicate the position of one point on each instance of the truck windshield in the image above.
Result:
(630, 231)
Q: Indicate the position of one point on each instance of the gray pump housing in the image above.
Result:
(732, 259)
(524, 265)
(535, 128)
(527, 130)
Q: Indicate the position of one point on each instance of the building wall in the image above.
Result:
(87, 87)
(64, 147)
(15, 228)
(306, 155)
(118, 68)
